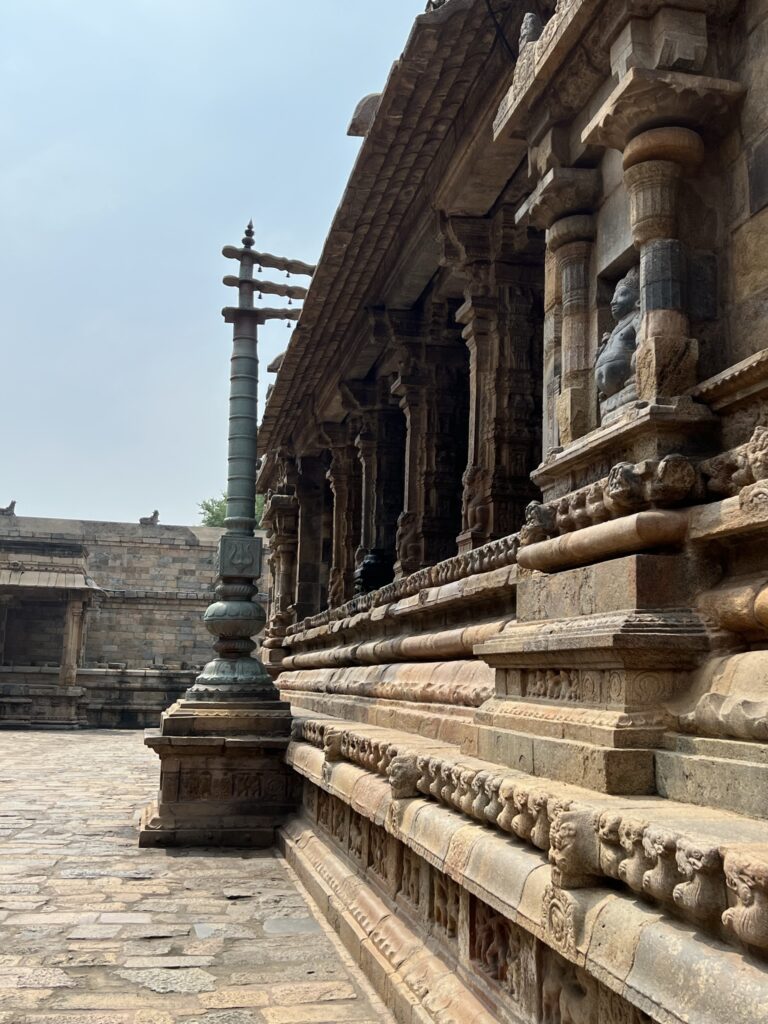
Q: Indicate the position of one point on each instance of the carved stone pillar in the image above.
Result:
(478, 317)
(654, 164)
(446, 432)
(365, 443)
(310, 494)
(72, 640)
(502, 318)
(558, 206)
(553, 321)
(570, 240)
(517, 420)
(410, 386)
(432, 389)
(341, 478)
(281, 513)
(380, 464)
(5, 601)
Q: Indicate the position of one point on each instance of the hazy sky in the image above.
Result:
(136, 138)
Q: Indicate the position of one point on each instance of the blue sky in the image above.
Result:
(137, 138)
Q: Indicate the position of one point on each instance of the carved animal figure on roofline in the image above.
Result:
(615, 363)
(152, 520)
(9, 510)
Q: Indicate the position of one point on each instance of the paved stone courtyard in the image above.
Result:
(95, 931)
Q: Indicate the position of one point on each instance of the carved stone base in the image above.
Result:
(223, 781)
(611, 409)
(573, 413)
(725, 773)
(469, 540)
(641, 430)
(42, 705)
(666, 366)
(584, 674)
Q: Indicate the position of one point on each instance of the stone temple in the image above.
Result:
(509, 721)
(516, 467)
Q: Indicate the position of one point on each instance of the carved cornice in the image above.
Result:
(647, 98)
(562, 192)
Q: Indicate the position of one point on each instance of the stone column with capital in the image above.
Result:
(552, 353)
(222, 777)
(559, 206)
(380, 446)
(410, 387)
(501, 318)
(478, 317)
(655, 163)
(570, 240)
(311, 487)
(5, 603)
(72, 638)
(280, 519)
(343, 480)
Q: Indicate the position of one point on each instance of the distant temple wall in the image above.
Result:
(112, 612)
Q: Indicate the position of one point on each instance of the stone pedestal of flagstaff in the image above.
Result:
(223, 779)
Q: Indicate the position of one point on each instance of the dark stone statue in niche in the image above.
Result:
(373, 572)
(615, 366)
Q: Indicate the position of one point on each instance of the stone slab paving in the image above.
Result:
(95, 931)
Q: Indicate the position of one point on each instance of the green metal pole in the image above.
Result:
(235, 675)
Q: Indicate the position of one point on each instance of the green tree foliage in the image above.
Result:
(213, 511)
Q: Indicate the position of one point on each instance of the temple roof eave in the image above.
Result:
(426, 89)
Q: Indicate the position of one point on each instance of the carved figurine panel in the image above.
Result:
(504, 954)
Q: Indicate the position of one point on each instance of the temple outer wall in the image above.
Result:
(144, 636)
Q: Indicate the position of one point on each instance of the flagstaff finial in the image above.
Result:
(248, 237)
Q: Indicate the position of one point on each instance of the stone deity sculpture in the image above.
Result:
(152, 520)
(530, 30)
(615, 364)
(9, 510)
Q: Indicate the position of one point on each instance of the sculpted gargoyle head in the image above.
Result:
(403, 773)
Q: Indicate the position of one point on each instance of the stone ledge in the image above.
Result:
(652, 963)
(454, 683)
(676, 855)
(462, 581)
(412, 979)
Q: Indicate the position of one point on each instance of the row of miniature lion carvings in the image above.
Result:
(525, 970)
(720, 889)
(671, 481)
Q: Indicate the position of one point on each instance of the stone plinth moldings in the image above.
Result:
(652, 430)
(672, 856)
(498, 554)
(453, 683)
(644, 531)
(450, 643)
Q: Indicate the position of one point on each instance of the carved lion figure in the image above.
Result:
(403, 773)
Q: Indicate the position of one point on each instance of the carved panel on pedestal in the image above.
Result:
(444, 904)
(570, 996)
(496, 945)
